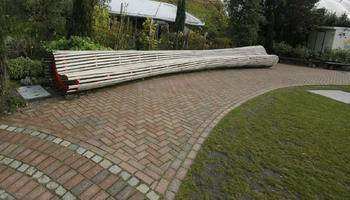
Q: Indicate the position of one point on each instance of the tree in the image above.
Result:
(271, 12)
(293, 21)
(3, 67)
(270, 33)
(245, 19)
(331, 19)
(297, 19)
(42, 19)
(48, 17)
(179, 25)
(81, 20)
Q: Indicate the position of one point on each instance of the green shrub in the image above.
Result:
(20, 68)
(342, 56)
(167, 38)
(196, 41)
(75, 43)
(16, 103)
(282, 49)
(301, 52)
(148, 32)
(222, 42)
(171, 40)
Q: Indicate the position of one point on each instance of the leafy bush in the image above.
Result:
(75, 43)
(222, 42)
(16, 103)
(167, 38)
(147, 38)
(113, 32)
(342, 56)
(196, 41)
(172, 40)
(301, 52)
(282, 49)
(21, 68)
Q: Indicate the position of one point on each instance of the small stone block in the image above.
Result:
(169, 195)
(27, 131)
(175, 185)
(133, 181)
(143, 188)
(115, 169)
(152, 195)
(81, 150)
(37, 174)
(3, 126)
(68, 196)
(19, 130)
(96, 159)
(11, 128)
(44, 179)
(35, 133)
(125, 175)
(31, 171)
(52, 185)
(105, 163)
(65, 143)
(4, 196)
(23, 168)
(42, 135)
(6, 161)
(57, 140)
(88, 154)
(60, 191)
(73, 147)
(15, 164)
(50, 138)
(10, 197)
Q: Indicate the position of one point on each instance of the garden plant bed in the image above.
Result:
(315, 63)
(299, 61)
(285, 144)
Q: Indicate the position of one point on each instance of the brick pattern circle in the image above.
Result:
(103, 162)
(153, 129)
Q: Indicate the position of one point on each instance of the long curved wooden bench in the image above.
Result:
(83, 70)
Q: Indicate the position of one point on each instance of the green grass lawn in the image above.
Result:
(285, 144)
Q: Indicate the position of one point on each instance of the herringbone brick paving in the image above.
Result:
(152, 129)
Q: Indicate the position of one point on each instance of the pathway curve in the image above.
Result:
(131, 141)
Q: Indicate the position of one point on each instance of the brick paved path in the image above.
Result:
(134, 140)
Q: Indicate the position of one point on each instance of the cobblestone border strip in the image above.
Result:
(39, 176)
(117, 189)
(6, 195)
(103, 162)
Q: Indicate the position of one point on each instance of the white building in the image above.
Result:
(327, 37)
(151, 9)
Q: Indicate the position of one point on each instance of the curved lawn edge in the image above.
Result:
(188, 187)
